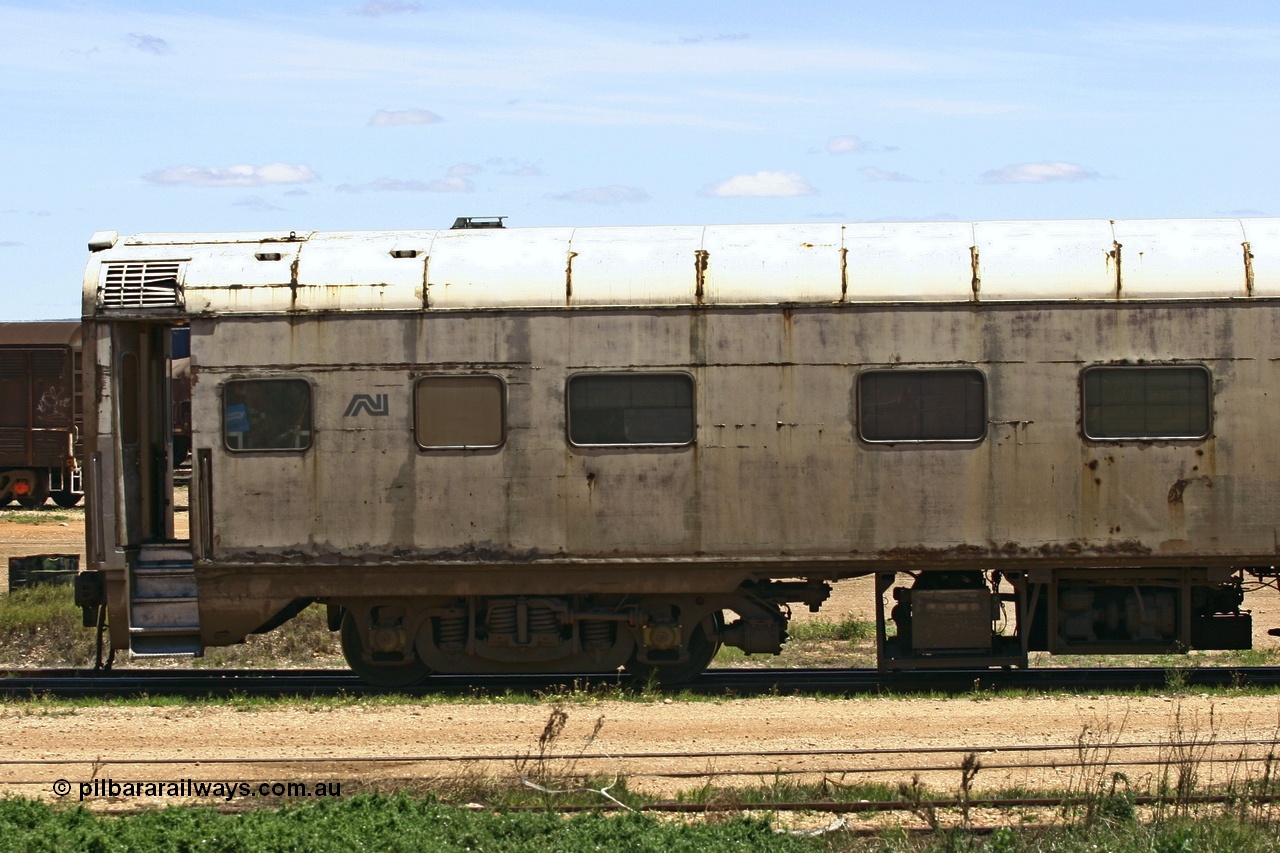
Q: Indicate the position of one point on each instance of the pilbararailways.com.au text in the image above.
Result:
(196, 788)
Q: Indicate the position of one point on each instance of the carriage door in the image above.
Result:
(144, 425)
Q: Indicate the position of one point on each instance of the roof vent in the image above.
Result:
(479, 222)
(146, 284)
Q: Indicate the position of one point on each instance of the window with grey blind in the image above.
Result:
(1146, 402)
(631, 409)
(922, 405)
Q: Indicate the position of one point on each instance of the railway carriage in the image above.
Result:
(491, 449)
(40, 413)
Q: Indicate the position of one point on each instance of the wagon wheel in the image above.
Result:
(390, 675)
(36, 498)
(66, 500)
(702, 649)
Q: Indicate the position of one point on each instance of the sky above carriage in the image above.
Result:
(375, 114)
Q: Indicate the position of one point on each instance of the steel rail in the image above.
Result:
(1273, 743)
(771, 772)
(739, 681)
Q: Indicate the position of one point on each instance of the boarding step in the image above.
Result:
(162, 554)
(164, 608)
(154, 645)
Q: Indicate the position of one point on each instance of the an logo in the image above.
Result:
(376, 406)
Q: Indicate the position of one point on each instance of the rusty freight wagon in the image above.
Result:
(40, 413)
(491, 449)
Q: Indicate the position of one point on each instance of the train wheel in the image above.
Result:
(379, 675)
(702, 649)
(66, 500)
(35, 499)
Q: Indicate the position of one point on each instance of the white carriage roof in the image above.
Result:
(594, 267)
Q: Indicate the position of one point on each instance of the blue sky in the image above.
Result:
(371, 114)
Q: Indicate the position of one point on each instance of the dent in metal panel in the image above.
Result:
(357, 271)
(1181, 258)
(909, 262)
(635, 266)
(275, 299)
(771, 264)
(494, 268)
(1263, 237)
(1046, 260)
(225, 267)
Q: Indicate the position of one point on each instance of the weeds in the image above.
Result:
(34, 516)
(40, 626)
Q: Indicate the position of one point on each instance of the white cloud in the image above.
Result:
(847, 145)
(399, 118)
(614, 194)
(875, 174)
(514, 168)
(761, 184)
(150, 44)
(378, 8)
(9, 244)
(297, 192)
(1039, 173)
(254, 202)
(461, 170)
(233, 176)
(451, 184)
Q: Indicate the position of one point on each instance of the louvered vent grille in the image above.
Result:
(50, 445)
(13, 442)
(152, 284)
(48, 363)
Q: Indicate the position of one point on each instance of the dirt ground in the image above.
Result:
(219, 742)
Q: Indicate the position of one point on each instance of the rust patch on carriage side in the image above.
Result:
(975, 282)
(844, 273)
(568, 277)
(1180, 485)
(426, 282)
(1248, 268)
(1113, 260)
(701, 258)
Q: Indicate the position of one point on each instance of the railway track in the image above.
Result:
(77, 683)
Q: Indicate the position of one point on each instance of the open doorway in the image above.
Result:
(142, 367)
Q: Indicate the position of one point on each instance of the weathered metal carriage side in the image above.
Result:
(492, 449)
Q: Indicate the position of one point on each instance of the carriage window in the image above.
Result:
(1151, 402)
(455, 412)
(267, 414)
(631, 408)
(922, 405)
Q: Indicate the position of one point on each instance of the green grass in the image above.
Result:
(40, 627)
(405, 823)
(848, 629)
(47, 515)
(396, 823)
